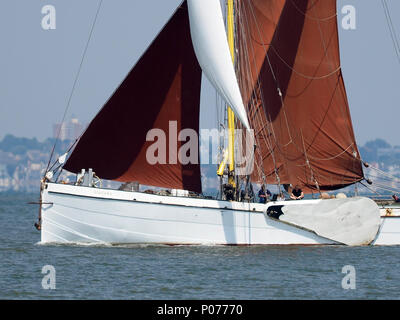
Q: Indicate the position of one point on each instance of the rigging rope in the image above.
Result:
(302, 74)
(386, 188)
(384, 173)
(74, 85)
(392, 30)
(311, 17)
(390, 180)
(309, 165)
(370, 189)
(382, 179)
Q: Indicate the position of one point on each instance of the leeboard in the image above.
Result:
(350, 221)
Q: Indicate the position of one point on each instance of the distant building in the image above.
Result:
(69, 130)
(5, 179)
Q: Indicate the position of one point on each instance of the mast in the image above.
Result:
(231, 115)
(229, 154)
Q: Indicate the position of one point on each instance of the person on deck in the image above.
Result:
(396, 198)
(297, 193)
(264, 195)
(280, 197)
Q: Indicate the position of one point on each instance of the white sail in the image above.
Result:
(212, 51)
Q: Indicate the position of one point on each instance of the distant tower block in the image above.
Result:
(68, 130)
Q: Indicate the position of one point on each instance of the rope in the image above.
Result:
(302, 74)
(392, 30)
(384, 173)
(309, 165)
(383, 181)
(386, 178)
(74, 85)
(370, 189)
(311, 17)
(383, 187)
(333, 157)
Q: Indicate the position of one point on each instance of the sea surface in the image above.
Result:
(185, 272)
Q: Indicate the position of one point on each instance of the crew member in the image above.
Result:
(297, 193)
(264, 195)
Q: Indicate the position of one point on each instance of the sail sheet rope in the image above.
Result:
(74, 84)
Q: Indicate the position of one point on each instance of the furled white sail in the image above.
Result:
(212, 51)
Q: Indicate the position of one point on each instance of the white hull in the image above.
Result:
(389, 230)
(74, 214)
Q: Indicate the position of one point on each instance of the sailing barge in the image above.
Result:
(285, 84)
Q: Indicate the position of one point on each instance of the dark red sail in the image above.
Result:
(291, 81)
(163, 86)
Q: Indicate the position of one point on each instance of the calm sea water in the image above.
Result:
(184, 272)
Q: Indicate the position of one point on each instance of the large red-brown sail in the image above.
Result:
(290, 78)
(163, 86)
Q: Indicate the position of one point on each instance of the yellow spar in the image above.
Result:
(230, 154)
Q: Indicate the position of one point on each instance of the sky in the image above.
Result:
(38, 67)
